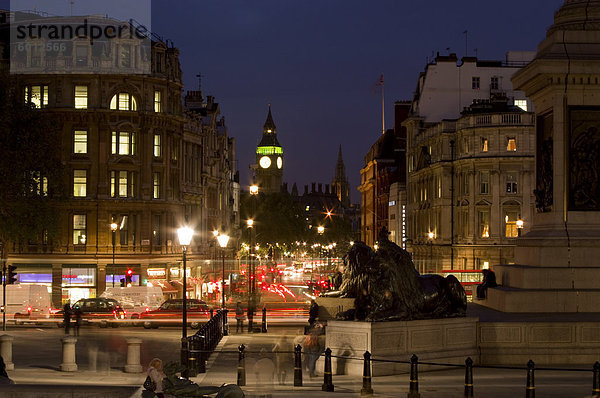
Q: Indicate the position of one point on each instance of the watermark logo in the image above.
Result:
(111, 38)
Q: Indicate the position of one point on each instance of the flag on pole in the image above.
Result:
(380, 81)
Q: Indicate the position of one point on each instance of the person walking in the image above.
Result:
(283, 357)
(67, 317)
(312, 351)
(77, 321)
(239, 317)
(313, 312)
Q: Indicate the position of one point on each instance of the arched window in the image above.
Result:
(123, 102)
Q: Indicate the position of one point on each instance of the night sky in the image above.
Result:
(318, 61)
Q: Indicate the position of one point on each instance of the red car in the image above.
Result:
(170, 314)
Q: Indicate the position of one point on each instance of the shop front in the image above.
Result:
(78, 281)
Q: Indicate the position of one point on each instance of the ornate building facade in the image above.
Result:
(470, 187)
(135, 158)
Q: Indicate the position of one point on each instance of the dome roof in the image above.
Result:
(577, 15)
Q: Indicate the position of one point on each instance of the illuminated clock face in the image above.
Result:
(265, 162)
(279, 162)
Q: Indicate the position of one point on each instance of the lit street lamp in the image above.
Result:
(113, 228)
(431, 237)
(520, 224)
(223, 240)
(185, 238)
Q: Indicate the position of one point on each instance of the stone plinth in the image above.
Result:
(6, 351)
(544, 289)
(449, 340)
(330, 306)
(68, 354)
(133, 356)
(546, 343)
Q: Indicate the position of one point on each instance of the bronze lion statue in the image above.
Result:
(386, 286)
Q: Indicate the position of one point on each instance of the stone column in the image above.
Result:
(6, 351)
(68, 354)
(133, 356)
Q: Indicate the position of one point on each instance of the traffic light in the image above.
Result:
(128, 276)
(11, 276)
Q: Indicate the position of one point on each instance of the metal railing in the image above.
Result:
(203, 343)
(413, 382)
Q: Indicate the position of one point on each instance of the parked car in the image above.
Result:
(103, 311)
(171, 311)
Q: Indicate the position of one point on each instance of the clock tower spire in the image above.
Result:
(269, 158)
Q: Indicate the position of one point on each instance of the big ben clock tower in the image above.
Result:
(269, 159)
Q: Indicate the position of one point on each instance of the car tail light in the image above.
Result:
(147, 309)
(29, 309)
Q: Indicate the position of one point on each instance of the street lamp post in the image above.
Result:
(185, 238)
(223, 240)
(431, 236)
(113, 228)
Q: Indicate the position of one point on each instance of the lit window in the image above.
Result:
(484, 144)
(510, 219)
(157, 101)
(157, 151)
(475, 82)
(156, 186)
(123, 102)
(123, 230)
(521, 104)
(37, 95)
(79, 229)
(439, 187)
(123, 143)
(79, 183)
(80, 141)
(511, 182)
(511, 144)
(122, 184)
(494, 83)
(484, 180)
(484, 223)
(81, 97)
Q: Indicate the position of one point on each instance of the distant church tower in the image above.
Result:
(340, 182)
(269, 159)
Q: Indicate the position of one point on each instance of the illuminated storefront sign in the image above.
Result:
(157, 273)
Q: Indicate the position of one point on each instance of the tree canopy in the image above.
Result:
(31, 174)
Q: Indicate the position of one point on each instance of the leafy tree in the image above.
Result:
(31, 174)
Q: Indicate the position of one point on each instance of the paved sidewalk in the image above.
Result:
(222, 368)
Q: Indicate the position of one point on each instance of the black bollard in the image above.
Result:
(469, 377)
(263, 328)
(201, 362)
(193, 356)
(327, 378)
(413, 391)
(596, 382)
(366, 389)
(530, 391)
(298, 366)
(241, 379)
(225, 324)
(212, 312)
(184, 357)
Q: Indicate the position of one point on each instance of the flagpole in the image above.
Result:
(382, 106)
